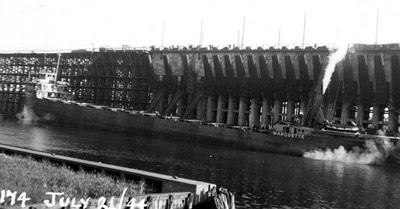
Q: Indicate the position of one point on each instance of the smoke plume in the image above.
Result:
(333, 59)
(370, 154)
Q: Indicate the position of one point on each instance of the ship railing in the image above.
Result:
(83, 104)
(217, 124)
(98, 106)
(66, 101)
(149, 114)
(173, 118)
(338, 133)
(136, 112)
(379, 137)
(195, 121)
(121, 110)
(242, 128)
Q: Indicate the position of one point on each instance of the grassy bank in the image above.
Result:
(36, 178)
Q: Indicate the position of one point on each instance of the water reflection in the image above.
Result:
(39, 138)
(259, 180)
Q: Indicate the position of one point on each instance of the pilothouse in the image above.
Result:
(48, 86)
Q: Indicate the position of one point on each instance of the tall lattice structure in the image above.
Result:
(112, 78)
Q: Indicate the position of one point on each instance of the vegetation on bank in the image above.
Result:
(36, 178)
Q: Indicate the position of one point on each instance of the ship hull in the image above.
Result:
(71, 114)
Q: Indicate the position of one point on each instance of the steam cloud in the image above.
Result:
(27, 115)
(370, 154)
(333, 59)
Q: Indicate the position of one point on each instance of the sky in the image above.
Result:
(84, 24)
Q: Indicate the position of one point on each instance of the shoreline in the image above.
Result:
(183, 190)
(35, 179)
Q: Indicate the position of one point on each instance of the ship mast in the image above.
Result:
(304, 28)
(201, 34)
(162, 35)
(377, 27)
(244, 22)
(279, 38)
(58, 65)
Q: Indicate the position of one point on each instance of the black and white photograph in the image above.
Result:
(188, 104)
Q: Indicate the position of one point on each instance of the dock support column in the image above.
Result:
(201, 109)
(181, 107)
(278, 110)
(375, 116)
(290, 110)
(163, 103)
(345, 113)
(360, 114)
(210, 117)
(254, 116)
(392, 127)
(330, 111)
(189, 101)
(220, 109)
(243, 106)
(265, 113)
(232, 106)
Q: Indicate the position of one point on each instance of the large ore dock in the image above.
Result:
(245, 89)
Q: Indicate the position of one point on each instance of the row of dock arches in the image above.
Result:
(257, 86)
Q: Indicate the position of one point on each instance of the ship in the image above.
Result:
(52, 103)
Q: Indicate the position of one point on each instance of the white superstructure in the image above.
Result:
(48, 87)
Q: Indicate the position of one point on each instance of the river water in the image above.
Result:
(258, 180)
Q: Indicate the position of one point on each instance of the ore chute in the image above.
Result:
(313, 112)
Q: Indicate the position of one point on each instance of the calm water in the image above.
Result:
(259, 180)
